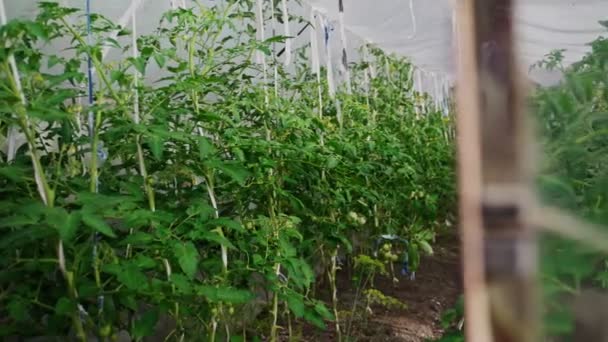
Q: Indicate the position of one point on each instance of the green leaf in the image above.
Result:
(138, 239)
(201, 209)
(182, 284)
(234, 171)
(225, 294)
(322, 310)
(144, 262)
(426, 247)
(187, 257)
(64, 306)
(315, 320)
(37, 29)
(17, 221)
(205, 148)
(296, 305)
(144, 326)
(212, 236)
(18, 309)
(132, 277)
(160, 59)
(156, 144)
(332, 162)
(227, 223)
(139, 64)
(97, 224)
(14, 173)
(65, 223)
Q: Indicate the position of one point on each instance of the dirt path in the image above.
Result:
(435, 289)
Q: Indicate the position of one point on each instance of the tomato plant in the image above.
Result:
(202, 203)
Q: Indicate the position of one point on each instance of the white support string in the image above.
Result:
(124, 21)
(136, 74)
(13, 132)
(413, 17)
(314, 57)
(287, 33)
(273, 23)
(261, 36)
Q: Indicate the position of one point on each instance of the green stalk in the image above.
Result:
(334, 291)
(46, 193)
(213, 329)
(96, 62)
(275, 308)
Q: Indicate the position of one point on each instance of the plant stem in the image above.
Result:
(334, 291)
(275, 308)
(96, 62)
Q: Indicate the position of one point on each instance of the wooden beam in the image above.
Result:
(494, 178)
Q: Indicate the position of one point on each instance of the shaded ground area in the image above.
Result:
(435, 289)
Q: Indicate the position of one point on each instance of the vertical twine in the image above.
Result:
(261, 36)
(13, 131)
(287, 33)
(314, 57)
(413, 18)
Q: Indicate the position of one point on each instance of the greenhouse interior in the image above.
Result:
(304, 170)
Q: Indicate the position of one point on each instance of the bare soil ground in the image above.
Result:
(435, 289)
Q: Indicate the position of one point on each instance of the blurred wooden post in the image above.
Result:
(499, 249)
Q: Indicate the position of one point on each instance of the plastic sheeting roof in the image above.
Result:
(422, 30)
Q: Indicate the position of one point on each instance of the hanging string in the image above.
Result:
(344, 64)
(261, 36)
(124, 21)
(91, 125)
(287, 33)
(135, 71)
(91, 118)
(314, 57)
(274, 61)
(413, 18)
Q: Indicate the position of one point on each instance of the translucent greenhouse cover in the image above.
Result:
(422, 30)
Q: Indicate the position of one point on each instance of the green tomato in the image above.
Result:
(105, 331)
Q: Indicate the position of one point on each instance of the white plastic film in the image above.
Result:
(344, 61)
(326, 29)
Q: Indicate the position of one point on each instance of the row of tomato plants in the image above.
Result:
(214, 201)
